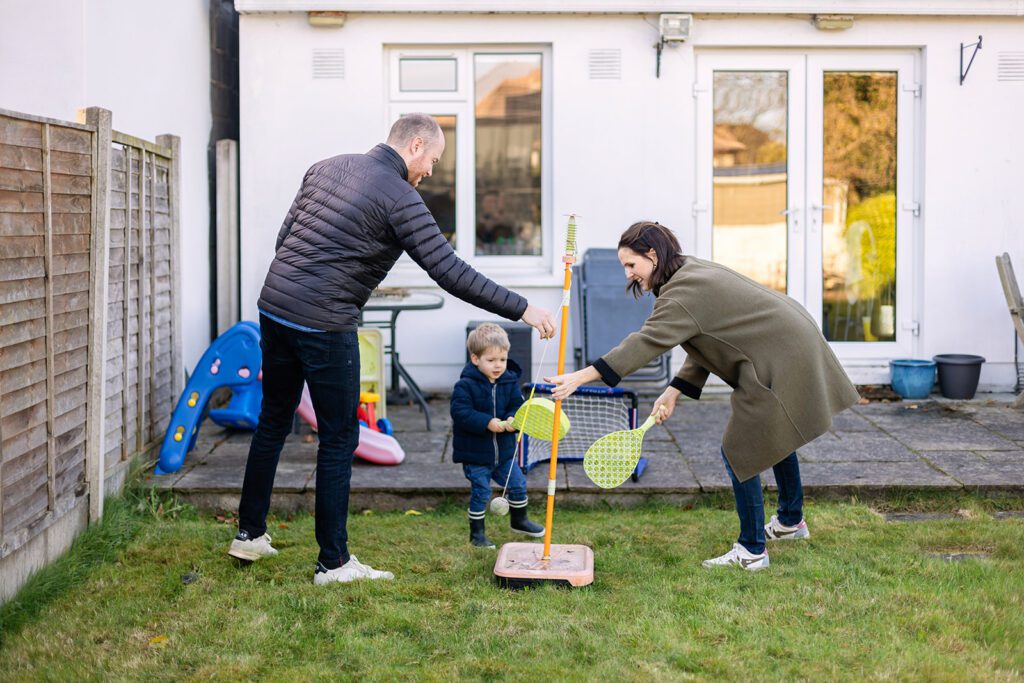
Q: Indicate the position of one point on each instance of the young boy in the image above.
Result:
(484, 441)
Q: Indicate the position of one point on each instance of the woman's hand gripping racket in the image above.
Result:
(611, 459)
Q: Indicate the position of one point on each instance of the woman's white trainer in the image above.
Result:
(741, 557)
(777, 531)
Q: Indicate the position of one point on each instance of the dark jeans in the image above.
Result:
(750, 501)
(480, 477)
(329, 363)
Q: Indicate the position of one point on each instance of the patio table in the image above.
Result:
(418, 301)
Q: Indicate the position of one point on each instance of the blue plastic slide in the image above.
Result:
(233, 360)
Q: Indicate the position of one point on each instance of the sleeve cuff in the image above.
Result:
(687, 389)
(608, 376)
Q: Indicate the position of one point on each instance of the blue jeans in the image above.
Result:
(750, 501)
(480, 478)
(329, 363)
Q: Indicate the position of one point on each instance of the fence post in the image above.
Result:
(174, 206)
(95, 447)
(227, 234)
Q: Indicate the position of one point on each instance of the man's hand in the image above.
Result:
(541, 319)
(666, 403)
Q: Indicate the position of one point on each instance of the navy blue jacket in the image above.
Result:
(352, 218)
(475, 402)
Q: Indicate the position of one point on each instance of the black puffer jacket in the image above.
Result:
(349, 223)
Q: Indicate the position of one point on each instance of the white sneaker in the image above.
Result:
(740, 556)
(251, 549)
(777, 531)
(350, 571)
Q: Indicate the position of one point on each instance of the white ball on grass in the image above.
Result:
(499, 506)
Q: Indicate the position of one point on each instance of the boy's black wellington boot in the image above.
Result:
(521, 523)
(477, 536)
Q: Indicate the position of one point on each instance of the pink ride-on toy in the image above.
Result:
(375, 445)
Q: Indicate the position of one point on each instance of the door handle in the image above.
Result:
(792, 219)
(816, 211)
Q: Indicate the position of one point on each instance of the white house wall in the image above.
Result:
(622, 150)
(150, 65)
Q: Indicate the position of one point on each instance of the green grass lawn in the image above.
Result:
(151, 594)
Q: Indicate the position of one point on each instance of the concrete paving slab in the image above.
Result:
(907, 413)
(410, 476)
(921, 517)
(665, 473)
(1007, 422)
(709, 470)
(872, 446)
(292, 477)
(952, 435)
(972, 470)
(850, 421)
(879, 475)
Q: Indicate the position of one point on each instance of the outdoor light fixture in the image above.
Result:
(326, 19)
(833, 22)
(672, 30)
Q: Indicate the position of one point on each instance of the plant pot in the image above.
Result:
(958, 374)
(912, 378)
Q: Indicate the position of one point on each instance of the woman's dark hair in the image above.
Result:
(643, 236)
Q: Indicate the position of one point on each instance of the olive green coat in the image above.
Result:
(787, 384)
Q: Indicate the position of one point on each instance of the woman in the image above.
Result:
(787, 384)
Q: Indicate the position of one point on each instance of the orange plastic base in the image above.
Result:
(520, 565)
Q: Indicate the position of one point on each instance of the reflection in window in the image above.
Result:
(750, 176)
(859, 214)
(438, 191)
(508, 153)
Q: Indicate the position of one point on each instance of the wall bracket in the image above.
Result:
(963, 71)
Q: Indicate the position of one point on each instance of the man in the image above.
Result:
(353, 217)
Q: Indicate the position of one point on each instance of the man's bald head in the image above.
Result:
(420, 142)
(411, 126)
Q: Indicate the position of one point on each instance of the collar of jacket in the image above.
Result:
(512, 373)
(387, 155)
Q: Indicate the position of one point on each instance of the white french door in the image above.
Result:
(806, 183)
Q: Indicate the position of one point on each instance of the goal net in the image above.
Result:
(593, 412)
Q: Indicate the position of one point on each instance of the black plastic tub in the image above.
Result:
(958, 374)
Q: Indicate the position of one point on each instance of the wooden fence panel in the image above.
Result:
(90, 361)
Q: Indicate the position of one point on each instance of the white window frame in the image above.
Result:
(510, 270)
(806, 67)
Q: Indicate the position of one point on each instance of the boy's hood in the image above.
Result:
(512, 373)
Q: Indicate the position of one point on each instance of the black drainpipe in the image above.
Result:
(224, 108)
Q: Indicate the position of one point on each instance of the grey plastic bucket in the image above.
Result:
(958, 374)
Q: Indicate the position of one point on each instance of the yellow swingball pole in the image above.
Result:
(525, 564)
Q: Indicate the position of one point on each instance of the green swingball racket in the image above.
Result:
(536, 419)
(611, 459)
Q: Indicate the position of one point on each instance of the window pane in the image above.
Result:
(750, 177)
(508, 153)
(419, 75)
(438, 191)
(859, 215)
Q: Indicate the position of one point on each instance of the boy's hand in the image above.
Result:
(509, 426)
(497, 426)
